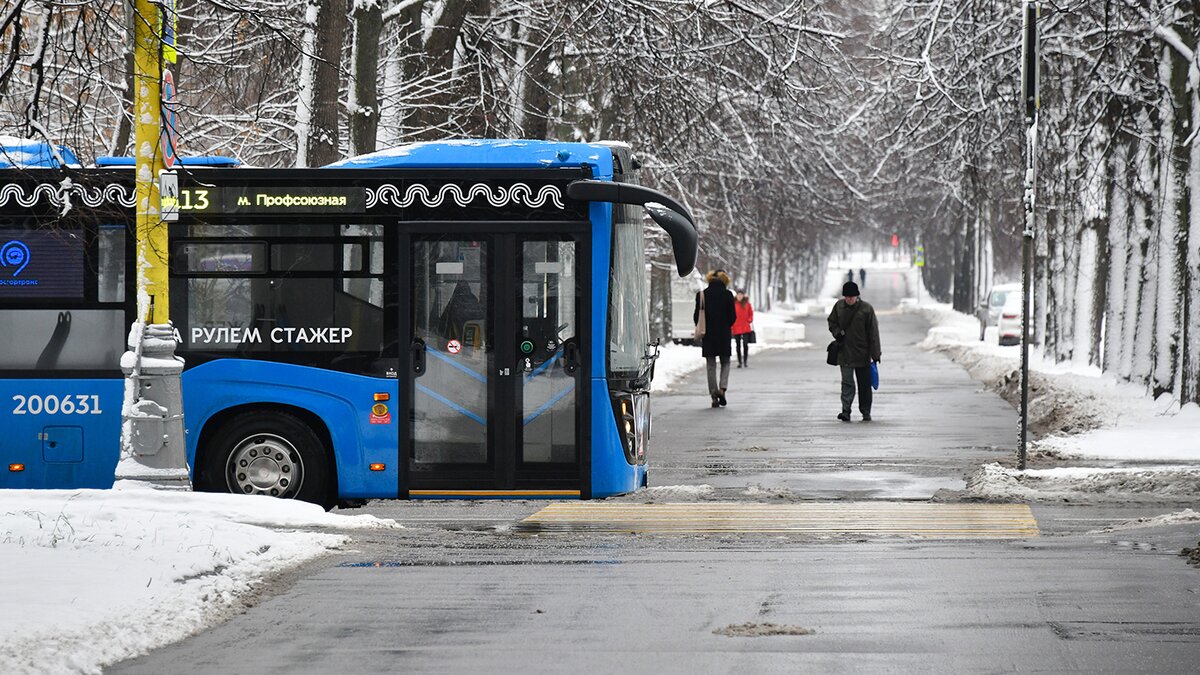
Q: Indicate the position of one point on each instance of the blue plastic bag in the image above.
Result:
(874, 375)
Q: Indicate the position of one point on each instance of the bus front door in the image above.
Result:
(496, 373)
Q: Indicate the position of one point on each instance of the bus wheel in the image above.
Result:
(272, 454)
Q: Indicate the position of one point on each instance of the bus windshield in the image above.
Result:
(629, 296)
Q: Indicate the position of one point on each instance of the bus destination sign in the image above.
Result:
(269, 200)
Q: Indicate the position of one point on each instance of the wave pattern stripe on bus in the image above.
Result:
(519, 193)
(58, 194)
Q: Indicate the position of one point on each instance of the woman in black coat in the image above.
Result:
(719, 315)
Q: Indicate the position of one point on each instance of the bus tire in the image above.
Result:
(266, 453)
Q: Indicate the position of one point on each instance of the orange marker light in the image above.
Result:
(378, 467)
(383, 396)
(16, 468)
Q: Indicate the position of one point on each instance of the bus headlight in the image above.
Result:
(632, 413)
(641, 412)
(623, 410)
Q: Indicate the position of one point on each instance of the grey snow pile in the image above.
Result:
(1094, 439)
(993, 482)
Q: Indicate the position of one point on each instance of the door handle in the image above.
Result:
(418, 356)
(571, 356)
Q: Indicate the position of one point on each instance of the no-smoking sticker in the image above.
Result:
(454, 346)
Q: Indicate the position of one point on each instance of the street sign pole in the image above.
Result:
(1029, 94)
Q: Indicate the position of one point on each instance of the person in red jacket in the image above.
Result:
(742, 326)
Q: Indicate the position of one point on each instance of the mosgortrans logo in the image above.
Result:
(14, 255)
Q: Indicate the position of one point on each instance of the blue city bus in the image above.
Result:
(64, 311)
(452, 319)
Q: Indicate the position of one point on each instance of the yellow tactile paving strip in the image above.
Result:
(834, 519)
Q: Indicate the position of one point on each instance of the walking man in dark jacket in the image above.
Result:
(852, 323)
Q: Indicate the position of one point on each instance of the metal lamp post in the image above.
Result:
(1029, 96)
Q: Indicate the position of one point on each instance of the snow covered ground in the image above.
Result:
(92, 577)
(1093, 438)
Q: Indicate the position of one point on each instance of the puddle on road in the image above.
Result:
(875, 484)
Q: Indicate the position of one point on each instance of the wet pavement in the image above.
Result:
(472, 586)
(931, 424)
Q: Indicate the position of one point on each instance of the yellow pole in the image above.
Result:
(154, 302)
(152, 435)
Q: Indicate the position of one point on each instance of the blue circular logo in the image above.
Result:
(14, 254)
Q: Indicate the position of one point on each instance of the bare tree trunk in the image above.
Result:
(1190, 241)
(121, 141)
(431, 117)
(364, 111)
(324, 138)
(1117, 267)
(1173, 74)
(536, 108)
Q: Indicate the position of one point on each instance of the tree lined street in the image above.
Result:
(436, 254)
(469, 586)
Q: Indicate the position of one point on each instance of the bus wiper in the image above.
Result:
(646, 371)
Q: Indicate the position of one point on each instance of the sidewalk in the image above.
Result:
(933, 425)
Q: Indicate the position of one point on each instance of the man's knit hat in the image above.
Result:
(849, 289)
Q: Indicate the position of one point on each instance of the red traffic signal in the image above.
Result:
(895, 240)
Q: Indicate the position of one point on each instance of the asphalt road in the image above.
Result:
(466, 588)
(931, 424)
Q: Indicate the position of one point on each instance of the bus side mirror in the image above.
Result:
(669, 214)
(683, 235)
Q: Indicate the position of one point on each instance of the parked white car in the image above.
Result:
(1009, 325)
(683, 303)
(989, 312)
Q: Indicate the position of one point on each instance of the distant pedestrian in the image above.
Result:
(743, 327)
(862, 278)
(850, 276)
(715, 305)
(853, 324)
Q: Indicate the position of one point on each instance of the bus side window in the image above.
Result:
(61, 339)
(111, 264)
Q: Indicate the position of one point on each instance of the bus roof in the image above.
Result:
(24, 153)
(507, 153)
(213, 162)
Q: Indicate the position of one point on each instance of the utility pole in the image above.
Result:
(152, 444)
(1029, 96)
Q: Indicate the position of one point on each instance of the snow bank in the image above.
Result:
(776, 329)
(674, 363)
(1184, 516)
(92, 577)
(1075, 410)
(1168, 484)
(1148, 449)
(1149, 434)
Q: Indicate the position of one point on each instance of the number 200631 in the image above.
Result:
(77, 404)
